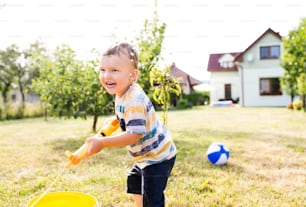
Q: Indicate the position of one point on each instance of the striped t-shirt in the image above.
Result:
(137, 116)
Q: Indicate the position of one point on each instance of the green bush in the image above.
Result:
(184, 104)
(197, 98)
(17, 111)
(297, 105)
(11, 111)
(33, 110)
(290, 106)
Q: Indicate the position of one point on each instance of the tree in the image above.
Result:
(96, 100)
(301, 82)
(54, 82)
(156, 82)
(8, 69)
(22, 77)
(42, 84)
(149, 44)
(164, 85)
(26, 68)
(17, 72)
(289, 84)
(70, 87)
(294, 61)
(35, 55)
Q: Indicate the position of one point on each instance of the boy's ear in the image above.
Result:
(134, 74)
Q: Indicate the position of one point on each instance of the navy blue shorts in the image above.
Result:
(150, 182)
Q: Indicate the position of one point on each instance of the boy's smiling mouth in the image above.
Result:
(110, 84)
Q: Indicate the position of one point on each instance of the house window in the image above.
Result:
(227, 64)
(270, 52)
(270, 86)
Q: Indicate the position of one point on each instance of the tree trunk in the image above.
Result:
(292, 97)
(46, 114)
(94, 124)
(304, 102)
(22, 93)
(45, 110)
(4, 97)
(5, 92)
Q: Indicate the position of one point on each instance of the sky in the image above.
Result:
(195, 28)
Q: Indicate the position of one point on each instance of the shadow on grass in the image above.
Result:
(193, 156)
(70, 144)
(191, 153)
(115, 157)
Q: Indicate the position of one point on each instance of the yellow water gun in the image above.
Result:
(81, 153)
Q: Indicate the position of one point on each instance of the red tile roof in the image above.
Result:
(213, 62)
(178, 73)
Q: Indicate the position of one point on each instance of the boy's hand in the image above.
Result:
(95, 145)
(75, 159)
(77, 156)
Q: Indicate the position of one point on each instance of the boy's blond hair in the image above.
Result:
(125, 49)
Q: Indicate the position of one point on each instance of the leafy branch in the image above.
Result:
(163, 85)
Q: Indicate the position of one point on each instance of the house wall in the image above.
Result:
(254, 54)
(217, 82)
(186, 87)
(254, 69)
(252, 95)
(30, 97)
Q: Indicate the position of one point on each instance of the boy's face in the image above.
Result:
(117, 74)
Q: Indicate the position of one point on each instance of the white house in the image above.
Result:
(251, 77)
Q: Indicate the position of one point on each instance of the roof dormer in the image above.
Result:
(226, 61)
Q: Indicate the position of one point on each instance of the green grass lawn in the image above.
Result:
(267, 165)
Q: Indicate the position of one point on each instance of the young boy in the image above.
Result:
(147, 140)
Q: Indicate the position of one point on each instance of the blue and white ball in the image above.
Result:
(217, 153)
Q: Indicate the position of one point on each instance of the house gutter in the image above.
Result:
(240, 67)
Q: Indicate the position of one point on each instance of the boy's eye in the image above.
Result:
(102, 70)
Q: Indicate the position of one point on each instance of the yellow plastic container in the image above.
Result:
(65, 199)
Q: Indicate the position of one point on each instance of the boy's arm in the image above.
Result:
(118, 140)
